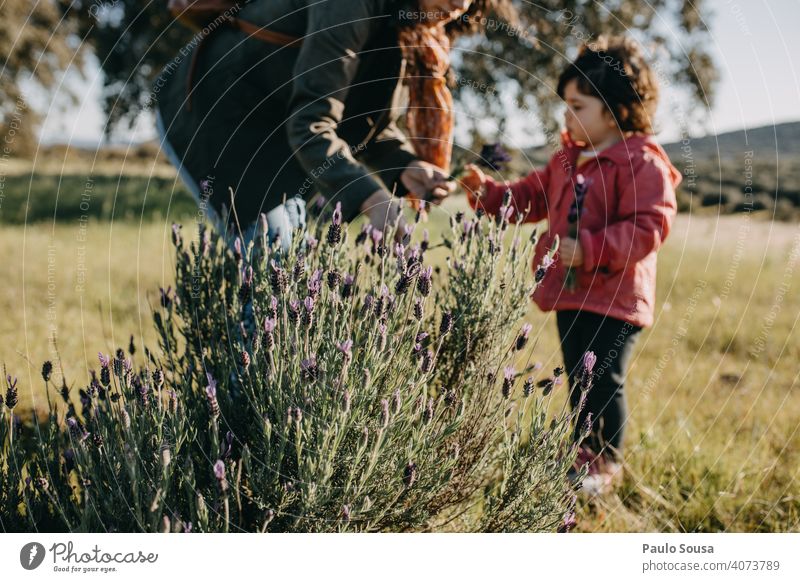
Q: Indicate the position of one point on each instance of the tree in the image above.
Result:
(36, 44)
(134, 40)
(524, 58)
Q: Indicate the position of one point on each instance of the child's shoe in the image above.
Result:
(605, 474)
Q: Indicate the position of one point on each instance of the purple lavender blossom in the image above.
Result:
(308, 367)
(522, 338)
(509, 373)
(345, 348)
(493, 156)
(211, 395)
(424, 281)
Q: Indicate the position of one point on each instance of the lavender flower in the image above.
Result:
(568, 523)
(177, 240)
(294, 311)
(166, 297)
(219, 473)
(362, 236)
(418, 309)
(335, 227)
(315, 284)
(311, 241)
(424, 281)
(410, 474)
(346, 401)
(541, 270)
(105, 373)
(508, 380)
(527, 387)
(247, 284)
(269, 329)
(308, 368)
(299, 269)
(587, 426)
(278, 279)
(237, 250)
(573, 217)
(211, 396)
(308, 315)
(347, 288)
(427, 414)
(522, 338)
(76, 430)
(547, 385)
(447, 323)
(587, 365)
(403, 283)
(334, 278)
(346, 348)
(47, 370)
(244, 359)
(494, 157)
(11, 394)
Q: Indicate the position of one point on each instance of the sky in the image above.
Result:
(754, 42)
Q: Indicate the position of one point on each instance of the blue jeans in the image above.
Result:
(281, 220)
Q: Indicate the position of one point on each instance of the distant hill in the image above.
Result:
(738, 171)
(764, 142)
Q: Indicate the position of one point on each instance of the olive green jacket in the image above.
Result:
(274, 121)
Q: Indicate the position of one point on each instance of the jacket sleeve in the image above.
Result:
(647, 207)
(528, 196)
(390, 153)
(324, 69)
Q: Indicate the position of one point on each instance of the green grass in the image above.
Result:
(31, 197)
(712, 442)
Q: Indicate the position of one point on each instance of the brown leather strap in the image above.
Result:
(264, 34)
(251, 30)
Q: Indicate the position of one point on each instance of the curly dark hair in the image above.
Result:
(614, 70)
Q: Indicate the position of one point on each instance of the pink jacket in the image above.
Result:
(628, 211)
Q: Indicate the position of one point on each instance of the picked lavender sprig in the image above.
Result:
(493, 156)
(573, 218)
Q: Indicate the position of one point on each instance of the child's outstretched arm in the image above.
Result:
(647, 207)
(528, 194)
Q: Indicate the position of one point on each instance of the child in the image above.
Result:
(609, 196)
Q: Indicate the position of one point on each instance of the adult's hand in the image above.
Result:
(383, 210)
(427, 181)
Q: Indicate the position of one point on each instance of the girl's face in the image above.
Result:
(587, 118)
(443, 10)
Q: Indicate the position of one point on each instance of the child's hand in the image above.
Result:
(473, 180)
(571, 252)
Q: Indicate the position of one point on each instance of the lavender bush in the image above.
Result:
(347, 385)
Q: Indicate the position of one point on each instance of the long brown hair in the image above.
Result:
(474, 20)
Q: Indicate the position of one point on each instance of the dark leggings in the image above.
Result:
(612, 340)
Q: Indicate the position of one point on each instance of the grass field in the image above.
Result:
(712, 442)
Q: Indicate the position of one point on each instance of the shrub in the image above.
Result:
(338, 387)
